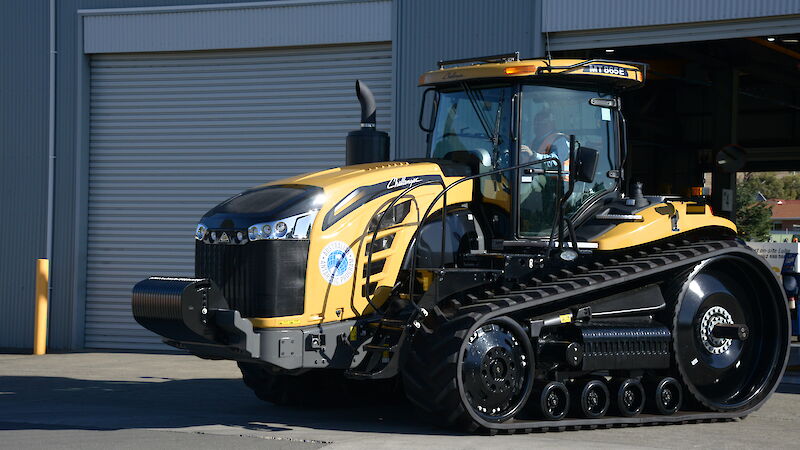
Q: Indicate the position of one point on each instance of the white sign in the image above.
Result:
(774, 252)
(727, 200)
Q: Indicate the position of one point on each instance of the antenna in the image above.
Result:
(547, 48)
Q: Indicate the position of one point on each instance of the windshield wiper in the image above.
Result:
(496, 135)
(473, 100)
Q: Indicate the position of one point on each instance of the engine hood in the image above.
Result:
(334, 192)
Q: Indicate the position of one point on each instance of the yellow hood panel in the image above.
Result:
(657, 224)
(347, 233)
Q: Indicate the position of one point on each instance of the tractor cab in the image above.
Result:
(532, 117)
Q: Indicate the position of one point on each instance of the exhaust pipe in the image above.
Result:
(367, 145)
(367, 101)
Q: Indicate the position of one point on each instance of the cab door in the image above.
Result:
(549, 115)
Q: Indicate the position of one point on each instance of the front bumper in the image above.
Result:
(192, 314)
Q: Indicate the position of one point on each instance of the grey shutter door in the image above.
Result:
(173, 134)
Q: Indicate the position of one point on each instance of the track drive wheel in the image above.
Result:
(456, 376)
(738, 372)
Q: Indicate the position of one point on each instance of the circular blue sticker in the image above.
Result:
(336, 263)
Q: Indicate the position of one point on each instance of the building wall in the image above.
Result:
(429, 31)
(586, 24)
(787, 225)
(423, 32)
(66, 315)
(24, 42)
(582, 15)
(187, 22)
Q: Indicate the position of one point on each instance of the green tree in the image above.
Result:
(791, 187)
(768, 184)
(753, 218)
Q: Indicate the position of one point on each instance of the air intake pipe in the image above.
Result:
(366, 145)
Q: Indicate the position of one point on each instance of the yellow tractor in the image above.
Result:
(508, 282)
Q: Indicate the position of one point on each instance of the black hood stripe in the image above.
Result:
(365, 194)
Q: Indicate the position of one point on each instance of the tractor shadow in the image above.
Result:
(35, 402)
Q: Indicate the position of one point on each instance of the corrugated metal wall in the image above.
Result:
(173, 134)
(244, 26)
(69, 252)
(429, 31)
(68, 281)
(574, 15)
(585, 24)
(23, 163)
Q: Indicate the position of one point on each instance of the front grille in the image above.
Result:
(260, 278)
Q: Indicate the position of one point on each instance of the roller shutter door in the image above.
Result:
(173, 134)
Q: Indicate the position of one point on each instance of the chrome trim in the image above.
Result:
(297, 227)
(633, 217)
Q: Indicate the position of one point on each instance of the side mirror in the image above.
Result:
(731, 158)
(427, 111)
(585, 164)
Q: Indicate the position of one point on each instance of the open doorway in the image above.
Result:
(701, 97)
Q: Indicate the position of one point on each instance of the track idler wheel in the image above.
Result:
(628, 395)
(730, 332)
(664, 396)
(552, 400)
(590, 398)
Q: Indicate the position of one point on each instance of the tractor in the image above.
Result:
(513, 280)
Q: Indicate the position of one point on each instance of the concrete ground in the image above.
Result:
(126, 400)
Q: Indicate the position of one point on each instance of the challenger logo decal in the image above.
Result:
(336, 263)
(400, 182)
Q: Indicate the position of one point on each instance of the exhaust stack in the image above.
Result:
(366, 145)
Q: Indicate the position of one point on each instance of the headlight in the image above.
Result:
(294, 227)
(200, 232)
(280, 229)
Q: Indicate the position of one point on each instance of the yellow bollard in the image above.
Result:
(40, 321)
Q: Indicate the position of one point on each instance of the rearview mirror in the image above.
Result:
(585, 164)
(427, 110)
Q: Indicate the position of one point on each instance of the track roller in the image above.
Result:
(590, 398)
(664, 396)
(552, 400)
(628, 396)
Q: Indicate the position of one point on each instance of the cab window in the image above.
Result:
(549, 115)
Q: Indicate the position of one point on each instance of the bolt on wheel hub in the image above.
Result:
(714, 316)
(495, 369)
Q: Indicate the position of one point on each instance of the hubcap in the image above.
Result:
(592, 399)
(628, 398)
(553, 403)
(666, 396)
(495, 372)
(595, 399)
(713, 317)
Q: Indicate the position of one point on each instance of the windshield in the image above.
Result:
(549, 115)
(476, 121)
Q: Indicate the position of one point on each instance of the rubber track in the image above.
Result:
(428, 373)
